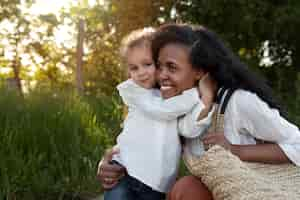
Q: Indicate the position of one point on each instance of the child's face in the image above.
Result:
(141, 67)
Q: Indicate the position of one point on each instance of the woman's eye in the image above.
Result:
(172, 67)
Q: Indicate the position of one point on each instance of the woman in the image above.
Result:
(252, 113)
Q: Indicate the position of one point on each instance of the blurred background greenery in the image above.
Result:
(59, 66)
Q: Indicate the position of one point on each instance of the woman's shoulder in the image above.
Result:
(241, 95)
(247, 101)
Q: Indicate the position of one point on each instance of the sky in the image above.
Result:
(53, 6)
(64, 34)
(46, 6)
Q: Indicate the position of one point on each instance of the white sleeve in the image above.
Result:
(190, 127)
(265, 123)
(155, 106)
(131, 92)
(172, 108)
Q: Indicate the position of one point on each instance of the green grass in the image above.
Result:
(51, 143)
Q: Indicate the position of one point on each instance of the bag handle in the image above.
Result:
(226, 100)
(222, 100)
(220, 95)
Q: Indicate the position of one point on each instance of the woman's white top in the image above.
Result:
(248, 117)
(149, 144)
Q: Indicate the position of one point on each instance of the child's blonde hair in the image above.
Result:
(140, 37)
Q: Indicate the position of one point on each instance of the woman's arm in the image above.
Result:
(254, 117)
(266, 124)
(265, 153)
(109, 174)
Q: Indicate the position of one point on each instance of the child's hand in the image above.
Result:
(207, 88)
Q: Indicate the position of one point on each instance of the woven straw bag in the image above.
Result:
(229, 178)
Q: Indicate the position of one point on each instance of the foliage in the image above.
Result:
(51, 64)
(257, 30)
(51, 143)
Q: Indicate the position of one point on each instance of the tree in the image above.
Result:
(27, 39)
(256, 30)
(15, 37)
(137, 14)
(79, 57)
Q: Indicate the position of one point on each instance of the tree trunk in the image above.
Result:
(79, 57)
(16, 68)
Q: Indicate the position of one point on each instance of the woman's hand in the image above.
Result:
(207, 88)
(109, 174)
(216, 138)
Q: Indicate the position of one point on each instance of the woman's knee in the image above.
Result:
(189, 188)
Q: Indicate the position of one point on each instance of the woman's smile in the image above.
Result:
(175, 73)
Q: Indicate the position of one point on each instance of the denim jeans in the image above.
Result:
(130, 188)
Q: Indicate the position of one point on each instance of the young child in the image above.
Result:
(149, 144)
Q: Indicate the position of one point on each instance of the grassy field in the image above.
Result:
(51, 143)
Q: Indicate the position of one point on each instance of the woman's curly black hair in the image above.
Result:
(208, 52)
